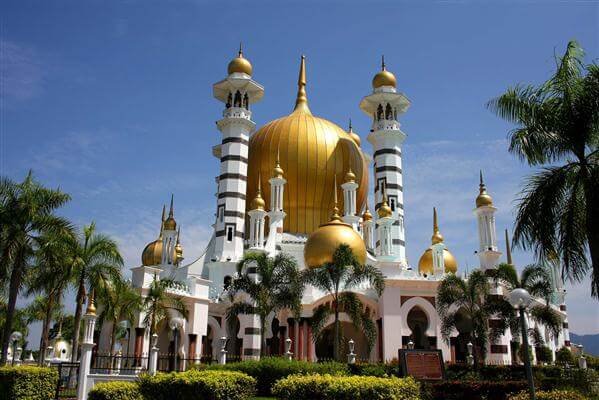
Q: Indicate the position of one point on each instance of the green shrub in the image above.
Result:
(544, 354)
(116, 390)
(474, 389)
(198, 385)
(335, 387)
(379, 369)
(552, 395)
(28, 383)
(564, 356)
(268, 370)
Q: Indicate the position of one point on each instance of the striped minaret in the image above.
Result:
(237, 92)
(384, 105)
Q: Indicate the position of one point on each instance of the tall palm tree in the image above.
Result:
(277, 285)
(537, 281)
(465, 305)
(158, 305)
(26, 213)
(120, 302)
(96, 262)
(338, 278)
(44, 310)
(558, 129)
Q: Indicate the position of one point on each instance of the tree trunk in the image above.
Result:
(45, 328)
(112, 335)
(15, 284)
(336, 333)
(263, 336)
(77, 322)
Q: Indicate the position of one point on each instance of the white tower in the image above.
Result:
(488, 253)
(276, 215)
(385, 105)
(257, 220)
(385, 222)
(237, 92)
(169, 237)
(350, 188)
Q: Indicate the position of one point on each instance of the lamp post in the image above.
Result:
(126, 325)
(351, 357)
(175, 324)
(222, 357)
(470, 357)
(520, 299)
(15, 337)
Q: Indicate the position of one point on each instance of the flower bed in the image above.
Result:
(27, 383)
(329, 387)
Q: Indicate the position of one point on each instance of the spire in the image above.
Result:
(384, 210)
(278, 171)
(508, 251)
(383, 68)
(171, 213)
(301, 103)
(350, 127)
(483, 199)
(240, 54)
(162, 221)
(178, 235)
(335, 216)
(91, 303)
(437, 237)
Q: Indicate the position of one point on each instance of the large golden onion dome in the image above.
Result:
(483, 198)
(240, 64)
(323, 242)
(152, 253)
(313, 151)
(384, 78)
(425, 264)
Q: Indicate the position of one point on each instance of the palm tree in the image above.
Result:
(26, 214)
(158, 305)
(96, 263)
(558, 128)
(337, 279)
(43, 309)
(537, 281)
(465, 305)
(277, 286)
(120, 302)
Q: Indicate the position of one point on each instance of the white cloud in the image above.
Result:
(20, 72)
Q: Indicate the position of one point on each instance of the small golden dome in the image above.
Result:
(323, 242)
(350, 176)
(353, 135)
(258, 203)
(437, 237)
(384, 78)
(425, 264)
(384, 210)
(152, 254)
(240, 64)
(483, 198)
(367, 216)
(170, 224)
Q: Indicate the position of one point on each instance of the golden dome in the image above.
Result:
(258, 203)
(240, 64)
(355, 137)
(313, 151)
(350, 176)
(178, 249)
(437, 237)
(384, 78)
(483, 198)
(367, 216)
(170, 224)
(384, 210)
(425, 264)
(323, 242)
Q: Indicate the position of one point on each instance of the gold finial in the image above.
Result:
(350, 127)
(367, 216)
(278, 171)
(437, 237)
(508, 251)
(178, 234)
(240, 54)
(91, 306)
(301, 103)
(162, 220)
(163, 212)
(171, 212)
(483, 199)
(350, 176)
(384, 210)
(335, 216)
(258, 203)
(383, 68)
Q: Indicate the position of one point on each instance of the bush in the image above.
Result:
(270, 369)
(474, 390)
(198, 385)
(379, 369)
(329, 387)
(27, 383)
(544, 354)
(552, 395)
(116, 390)
(564, 356)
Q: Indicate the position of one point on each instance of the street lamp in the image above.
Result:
(175, 324)
(521, 299)
(470, 357)
(15, 337)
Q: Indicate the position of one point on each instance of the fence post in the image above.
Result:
(288, 352)
(222, 357)
(153, 356)
(89, 321)
(351, 357)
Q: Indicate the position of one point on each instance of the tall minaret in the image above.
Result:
(385, 222)
(368, 230)
(276, 215)
(257, 220)
(384, 105)
(488, 253)
(169, 237)
(237, 92)
(350, 188)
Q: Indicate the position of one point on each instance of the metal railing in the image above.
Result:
(118, 364)
(68, 377)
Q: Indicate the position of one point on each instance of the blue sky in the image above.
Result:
(112, 101)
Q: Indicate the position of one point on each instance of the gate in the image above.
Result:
(68, 378)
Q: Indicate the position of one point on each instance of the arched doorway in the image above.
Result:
(459, 344)
(324, 345)
(418, 324)
(207, 341)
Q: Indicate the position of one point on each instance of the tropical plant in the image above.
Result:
(537, 281)
(265, 285)
(337, 279)
(558, 128)
(564, 356)
(26, 214)
(120, 302)
(158, 305)
(44, 310)
(96, 263)
(465, 305)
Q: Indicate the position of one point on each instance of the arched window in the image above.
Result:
(237, 101)
(227, 282)
(246, 101)
(229, 100)
(379, 112)
(388, 112)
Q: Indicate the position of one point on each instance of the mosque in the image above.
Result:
(282, 188)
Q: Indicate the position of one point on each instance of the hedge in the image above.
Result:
(472, 390)
(198, 385)
(115, 391)
(28, 383)
(335, 387)
(270, 369)
(552, 395)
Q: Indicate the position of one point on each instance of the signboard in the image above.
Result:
(422, 364)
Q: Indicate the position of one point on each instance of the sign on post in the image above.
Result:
(422, 364)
